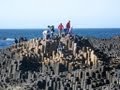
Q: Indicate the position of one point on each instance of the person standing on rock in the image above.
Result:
(60, 29)
(16, 41)
(45, 34)
(67, 27)
(52, 30)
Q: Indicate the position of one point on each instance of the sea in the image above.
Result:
(7, 36)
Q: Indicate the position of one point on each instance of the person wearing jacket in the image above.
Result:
(60, 29)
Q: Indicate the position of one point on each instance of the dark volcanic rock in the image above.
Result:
(63, 63)
(29, 64)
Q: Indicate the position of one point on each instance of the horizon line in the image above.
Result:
(47, 28)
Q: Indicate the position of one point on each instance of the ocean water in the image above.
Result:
(7, 35)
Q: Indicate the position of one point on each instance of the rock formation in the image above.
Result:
(62, 63)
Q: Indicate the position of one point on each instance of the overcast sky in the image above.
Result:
(41, 13)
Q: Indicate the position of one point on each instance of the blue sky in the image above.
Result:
(40, 13)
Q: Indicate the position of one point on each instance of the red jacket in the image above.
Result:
(68, 25)
(60, 27)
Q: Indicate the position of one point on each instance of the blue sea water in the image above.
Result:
(7, 35)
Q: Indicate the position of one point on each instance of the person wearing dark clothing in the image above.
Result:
(52, 30)
(67, 27)
(16, 41)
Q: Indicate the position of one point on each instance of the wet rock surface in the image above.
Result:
(66, 63)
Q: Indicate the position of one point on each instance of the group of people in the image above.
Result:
(67, 29)
(21, 39)
(49, 33)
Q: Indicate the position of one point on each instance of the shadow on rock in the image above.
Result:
(29, 64)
